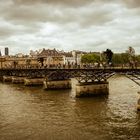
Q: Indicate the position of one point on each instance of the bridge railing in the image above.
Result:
(63, 66)
(37, 67)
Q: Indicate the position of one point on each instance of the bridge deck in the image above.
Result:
(83, 74)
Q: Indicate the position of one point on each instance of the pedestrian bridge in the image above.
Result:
(90, 81)
(82, 75)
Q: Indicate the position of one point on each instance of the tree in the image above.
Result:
(137, 60)
(125, 58)
(137, 57)
(109, 55)
(117, 59)
(90, 58)
(120, 59)
(131, 53)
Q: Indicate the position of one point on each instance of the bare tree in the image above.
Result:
(131, 53)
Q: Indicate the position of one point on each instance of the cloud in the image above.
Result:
(42, 13)
(132, 3)
(91, 25)
(55, 2)
(8, 29)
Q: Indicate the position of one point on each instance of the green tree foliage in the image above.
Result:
(122, 58)
(109, 54)
(118, 59)
(90, 58)
(137, 58)
(125, 58)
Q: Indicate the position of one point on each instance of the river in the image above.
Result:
(30, 113)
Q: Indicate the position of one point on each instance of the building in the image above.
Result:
(51, 57)
(68, 58)
(6, 51)
(21, 62)
(19, 55)
(77, 56)
(34, 53)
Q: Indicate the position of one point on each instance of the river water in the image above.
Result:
(30, 113)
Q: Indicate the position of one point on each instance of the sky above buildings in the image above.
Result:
(88, 25)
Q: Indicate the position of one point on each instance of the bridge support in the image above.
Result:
(18, 80)
(138, 104)
(1, 78)
(57, 84)
(7, 78)
(93, 83)
(92, 89)
(58, 80)
(33, 81)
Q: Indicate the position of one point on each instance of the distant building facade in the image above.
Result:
(0, 53)
(51, 57)
(43, 57)
(6, 51)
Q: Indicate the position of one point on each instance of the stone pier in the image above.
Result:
(7, 78)
(18, 80)
(138, 104)
(33, 81)
(92, 89)
(1, 78)
(57, 84)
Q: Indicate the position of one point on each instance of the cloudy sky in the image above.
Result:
(88, 25)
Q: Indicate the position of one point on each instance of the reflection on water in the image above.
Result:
(31, 113)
